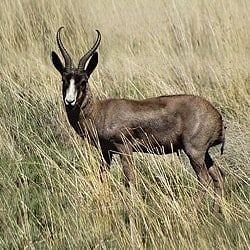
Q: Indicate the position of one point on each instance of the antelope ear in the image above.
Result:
(57, 62)
(92, 64)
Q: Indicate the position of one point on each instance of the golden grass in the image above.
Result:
(50, 193)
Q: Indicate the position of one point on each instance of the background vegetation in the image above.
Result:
(50, 193)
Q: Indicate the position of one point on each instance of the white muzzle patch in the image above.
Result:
(71, 93)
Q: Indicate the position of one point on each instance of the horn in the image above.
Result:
(85, 58)
(66, 56)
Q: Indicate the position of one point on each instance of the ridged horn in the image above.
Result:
(85, 58)
(66, 56)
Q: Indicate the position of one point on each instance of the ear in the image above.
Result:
(57, 62)
(92, 64)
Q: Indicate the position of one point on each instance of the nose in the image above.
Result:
(70, 102)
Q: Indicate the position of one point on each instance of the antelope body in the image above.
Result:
(157, 125)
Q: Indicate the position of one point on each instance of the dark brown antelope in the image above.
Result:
(158, 125)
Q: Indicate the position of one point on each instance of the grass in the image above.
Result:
(51, 197)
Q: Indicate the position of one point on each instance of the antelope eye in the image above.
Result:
(83, 85)
(65, 84)
(83, 82)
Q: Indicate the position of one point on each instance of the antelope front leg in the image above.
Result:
(127, 169)
(105, 165)
(125, 152)
(126, 160)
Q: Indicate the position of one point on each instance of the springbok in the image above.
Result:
(158, 125)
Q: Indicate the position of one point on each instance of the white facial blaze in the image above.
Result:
(71, 93)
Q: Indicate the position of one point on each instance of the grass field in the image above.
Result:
(51, 196)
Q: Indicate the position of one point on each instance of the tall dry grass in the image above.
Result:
(50, 193)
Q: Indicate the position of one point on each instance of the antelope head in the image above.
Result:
(75, 80)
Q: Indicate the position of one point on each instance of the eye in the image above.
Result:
(83, 84)
(65, 81)
(83, 81)
(65, 84)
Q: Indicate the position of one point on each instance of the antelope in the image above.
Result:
(158, 125)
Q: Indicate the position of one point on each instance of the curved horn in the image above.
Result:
(66, 56)
(85, 58)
